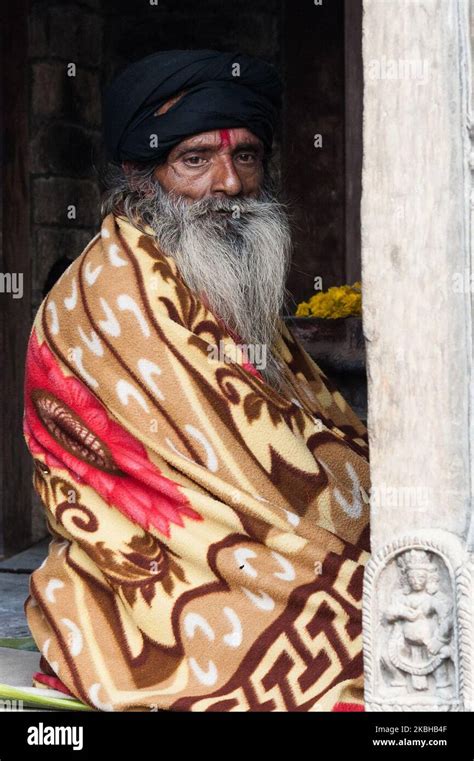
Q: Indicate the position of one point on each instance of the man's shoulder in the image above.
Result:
(67, 271)
(92, 242)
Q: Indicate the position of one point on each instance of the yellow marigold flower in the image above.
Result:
(303, 310)
(338, 301)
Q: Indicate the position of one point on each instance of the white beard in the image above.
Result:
(238, 261)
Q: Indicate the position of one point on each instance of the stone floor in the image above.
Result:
(14, 578)
(17, 666)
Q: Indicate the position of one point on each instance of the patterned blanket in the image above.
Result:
(209, 535)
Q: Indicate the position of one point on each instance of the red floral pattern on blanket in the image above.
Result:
(51, 682)
(65, 422)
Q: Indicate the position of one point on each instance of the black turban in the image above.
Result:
(223, 90)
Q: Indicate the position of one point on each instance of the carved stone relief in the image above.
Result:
(417, 627)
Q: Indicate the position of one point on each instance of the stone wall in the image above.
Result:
(314, 142)
(65, 49)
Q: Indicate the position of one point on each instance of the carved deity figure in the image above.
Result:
(420, 619)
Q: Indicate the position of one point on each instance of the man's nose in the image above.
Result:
(226, 179)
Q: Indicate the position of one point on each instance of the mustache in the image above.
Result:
(235, 208)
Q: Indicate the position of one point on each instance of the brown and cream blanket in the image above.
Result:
(209, 536)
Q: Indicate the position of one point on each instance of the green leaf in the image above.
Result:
(32, 696)
(19, 643)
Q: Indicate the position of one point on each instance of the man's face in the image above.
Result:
(219, 163)
(212, 207)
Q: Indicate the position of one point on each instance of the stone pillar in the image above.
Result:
(416, 274)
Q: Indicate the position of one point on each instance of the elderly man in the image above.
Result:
(204, 485)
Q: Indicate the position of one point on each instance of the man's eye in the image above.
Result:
(194, 160)
(246, 158)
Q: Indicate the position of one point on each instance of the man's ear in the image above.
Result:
(127, 166)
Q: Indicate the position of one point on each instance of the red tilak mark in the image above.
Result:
(225, 137)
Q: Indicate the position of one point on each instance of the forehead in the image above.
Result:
(222, 138)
